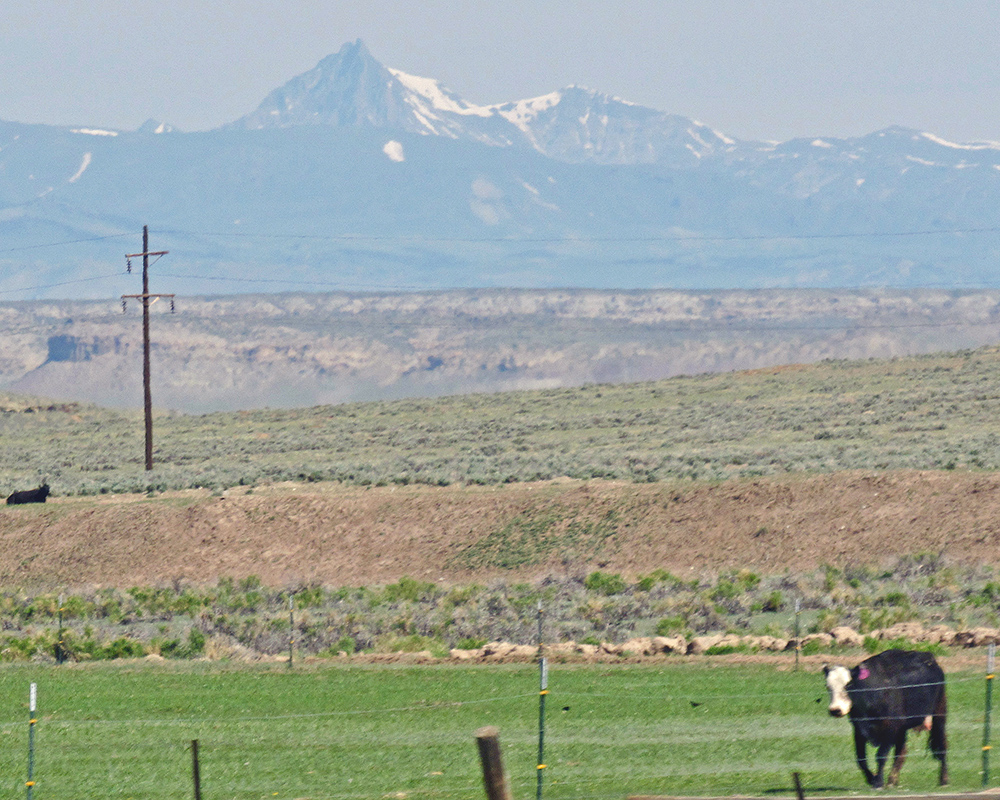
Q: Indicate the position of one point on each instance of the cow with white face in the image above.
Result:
(885, 696)
(837, 679)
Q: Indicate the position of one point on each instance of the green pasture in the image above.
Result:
(710, 727)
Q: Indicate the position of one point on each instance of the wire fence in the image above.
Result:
(609, 731)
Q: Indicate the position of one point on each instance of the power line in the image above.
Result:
(345, 286)
(380, 287)
(284, 282)
(60, 283)
(483, 240)
(68, 241)
(350, 237)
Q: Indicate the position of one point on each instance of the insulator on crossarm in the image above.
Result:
(128, 265)
(171, 306)
(124, 306)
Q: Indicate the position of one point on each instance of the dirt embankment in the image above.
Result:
(338, 535)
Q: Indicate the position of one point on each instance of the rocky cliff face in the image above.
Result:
(306, 349)
(70, 347)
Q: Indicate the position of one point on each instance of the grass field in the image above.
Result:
(686, 728)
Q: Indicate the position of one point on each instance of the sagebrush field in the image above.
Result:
(931, 412)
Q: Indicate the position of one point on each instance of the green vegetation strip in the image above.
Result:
(234, 620)
(928, 412)
(373, 732)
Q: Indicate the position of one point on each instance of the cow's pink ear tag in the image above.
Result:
(863, 673)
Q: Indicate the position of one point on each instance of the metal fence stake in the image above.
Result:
(543, 665)
(32, 721)
(990, 657)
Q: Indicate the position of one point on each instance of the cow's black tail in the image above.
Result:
(937, 741)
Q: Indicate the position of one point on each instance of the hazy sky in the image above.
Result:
(764, 69)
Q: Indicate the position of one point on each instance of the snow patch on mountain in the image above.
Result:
(698, 129)
(440, 98)
(83, 167)
(155, 127)
(718, 134)
(954, 145)
(394, 150)
(523, 112)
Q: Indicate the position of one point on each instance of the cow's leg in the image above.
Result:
(881, 756)
(860, 752)
(939, 745)
(899, 760)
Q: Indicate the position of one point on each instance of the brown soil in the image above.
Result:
(335, 535)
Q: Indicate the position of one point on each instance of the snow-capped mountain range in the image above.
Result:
(357, 175)
(574, 124)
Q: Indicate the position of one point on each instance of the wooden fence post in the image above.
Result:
(195, 769)
(801, 795)
(494, 777)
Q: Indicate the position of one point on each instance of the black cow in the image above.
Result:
(885, 696)
(29, 496)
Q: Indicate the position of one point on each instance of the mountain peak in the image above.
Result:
(155, 126)
(346, 88)
(351, 57)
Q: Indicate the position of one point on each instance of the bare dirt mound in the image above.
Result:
(336, 535)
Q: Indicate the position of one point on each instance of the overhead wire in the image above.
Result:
(60, 283)
(68, 241)
(678, 238)
(284, 282)
(352, 237)
(399, 287)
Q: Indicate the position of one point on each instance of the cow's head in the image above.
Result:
(837, 679)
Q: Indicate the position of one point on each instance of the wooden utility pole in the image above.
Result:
(146, 297)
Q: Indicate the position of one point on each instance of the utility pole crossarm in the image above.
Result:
(146, 296)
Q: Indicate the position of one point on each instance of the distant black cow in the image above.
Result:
(885, 696)
(29, 496)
